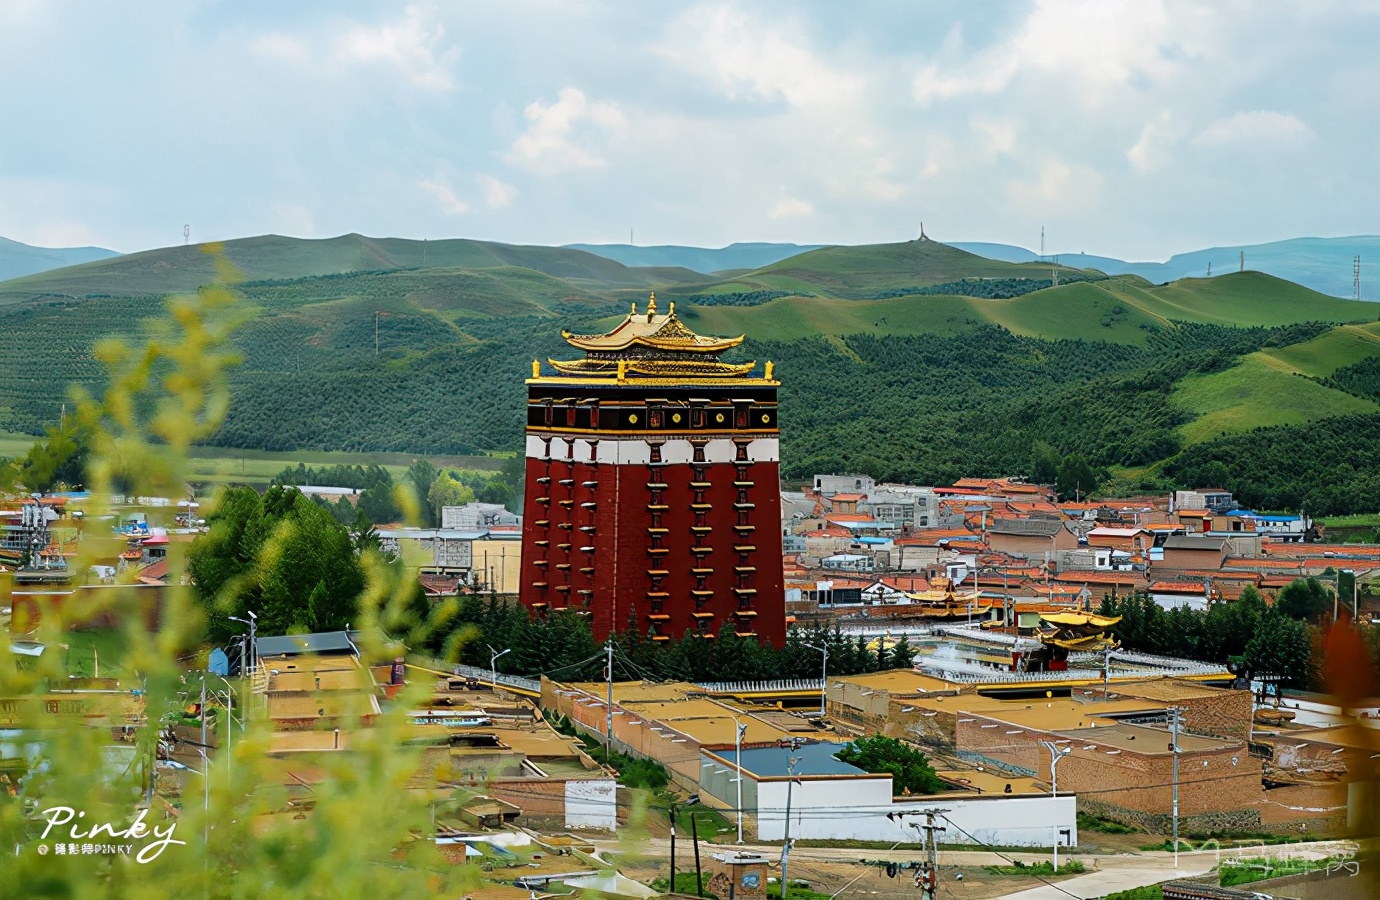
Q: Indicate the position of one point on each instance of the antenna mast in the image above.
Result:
(1243, 261)
(1042, 242)
(1356, 276)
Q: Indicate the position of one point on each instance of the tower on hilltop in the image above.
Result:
(653, 497)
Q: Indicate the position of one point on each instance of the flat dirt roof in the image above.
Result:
(1141, 739)
(640, 691)
(899, 681)
(993, 782)
(1166, 689)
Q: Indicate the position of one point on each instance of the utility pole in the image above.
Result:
(1107, 672)
(608, 738)
(823, 675)
(695, 842)
(1174, 751)
(738, 764)
(927, 879)
(673, 848)
(786, 842)
(493, 665)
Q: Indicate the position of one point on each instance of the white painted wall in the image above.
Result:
(857, 808)
(591, 804)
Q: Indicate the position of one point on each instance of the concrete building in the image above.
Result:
(833, 800)
(478, 517)
(1030, 538)
(1194, 552)
(829, 485)
(1124, 772)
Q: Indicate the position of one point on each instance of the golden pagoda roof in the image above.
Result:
(1079, 618)
(659, 331)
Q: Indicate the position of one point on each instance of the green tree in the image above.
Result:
(1044, 464)
(445, 491)
(58, 460)
(312, 579)
(1076, 478)
(910, 769)
(903, 654)
(420, 475)
(1306, 599)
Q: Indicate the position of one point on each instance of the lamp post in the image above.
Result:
(824, 673)
(493, 664)
(738, 764)
(1056, 753)
(252, 647)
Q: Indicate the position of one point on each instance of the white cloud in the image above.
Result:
(450, 204)
(412, 45)
(1067, 187)
(791, 208)
(496, 193)
(747, 57)
(1261, 126)
(1105, 45)
(1157, 139)
(549, 143)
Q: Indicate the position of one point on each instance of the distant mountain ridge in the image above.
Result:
(744, 255)
(18, 260)
(1323, 264)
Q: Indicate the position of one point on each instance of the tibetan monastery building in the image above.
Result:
(653, 496)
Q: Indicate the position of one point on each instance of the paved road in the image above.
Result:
(1111, 872)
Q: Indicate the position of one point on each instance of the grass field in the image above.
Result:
(1325, 354)
(85, 648)
(1260, 391)
(225, 465)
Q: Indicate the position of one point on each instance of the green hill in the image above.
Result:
(913, 360)
(271, 257)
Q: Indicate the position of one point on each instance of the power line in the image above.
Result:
(998, 853)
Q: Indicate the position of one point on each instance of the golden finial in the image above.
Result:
(770, 366)
(672, 310)
(651, 307)
(536, 368)
(634, 309)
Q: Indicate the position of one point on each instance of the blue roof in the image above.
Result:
(874, 540)
(811, 759)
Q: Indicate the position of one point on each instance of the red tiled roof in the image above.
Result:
(1177, 587)
(848, 498)
(156, 573)
(1100, 577)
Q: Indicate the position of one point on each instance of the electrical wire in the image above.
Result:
(998, 853)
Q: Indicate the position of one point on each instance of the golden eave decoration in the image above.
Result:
(657, 331)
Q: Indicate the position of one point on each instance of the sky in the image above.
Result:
(1130, 129)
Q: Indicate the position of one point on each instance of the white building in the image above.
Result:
(831, 800)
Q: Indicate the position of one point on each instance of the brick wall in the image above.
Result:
(1222, 713)
(1131, 786)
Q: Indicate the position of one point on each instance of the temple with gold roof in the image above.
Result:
(653, 493)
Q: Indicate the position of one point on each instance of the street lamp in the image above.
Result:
(493, 663)
(738, 763)
(1056, 753)
(824, 673)
(252, 647)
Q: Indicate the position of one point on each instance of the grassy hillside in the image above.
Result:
(1258, 392)
(356, 346)
(17, 260)
(271, 257)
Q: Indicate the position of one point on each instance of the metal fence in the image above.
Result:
(757, 687)
(484, 675)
